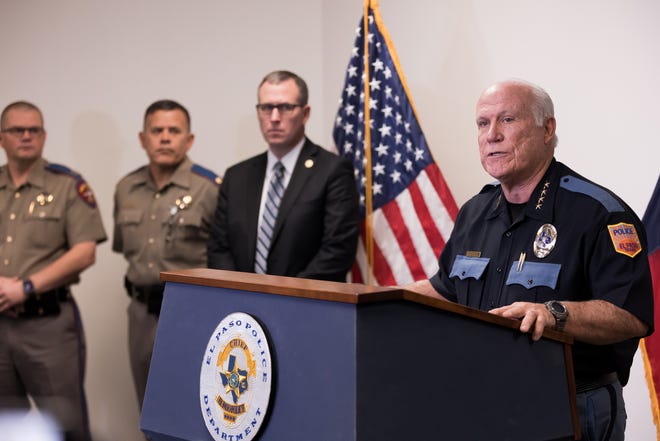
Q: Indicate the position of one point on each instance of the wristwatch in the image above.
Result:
(560, 313)
(28, 288)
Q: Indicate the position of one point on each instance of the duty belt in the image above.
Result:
(150, 295)
(591, 383)
(45, 303)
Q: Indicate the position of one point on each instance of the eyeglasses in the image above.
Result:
(19, 131)
(282, 109)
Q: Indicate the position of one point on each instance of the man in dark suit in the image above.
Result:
(293, 210)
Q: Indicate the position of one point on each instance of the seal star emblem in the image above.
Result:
(234, 379)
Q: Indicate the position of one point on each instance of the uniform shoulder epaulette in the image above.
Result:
(82, 188)
(206, 173)
(488, 187)
(62, 170)
(577, 185)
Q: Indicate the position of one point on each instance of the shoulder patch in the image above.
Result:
(206, 173)
(625, 239)
(577, 185)
(82, 188)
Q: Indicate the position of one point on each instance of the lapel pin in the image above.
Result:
(44, 198)
(309, 163)
(183, 202)
(41, 199)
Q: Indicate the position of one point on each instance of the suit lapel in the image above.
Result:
(254, 185)
(299, 177)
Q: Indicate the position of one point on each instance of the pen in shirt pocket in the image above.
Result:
(521, 261)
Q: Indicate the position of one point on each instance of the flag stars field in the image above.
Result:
(407, 192)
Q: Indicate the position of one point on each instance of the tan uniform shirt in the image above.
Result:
(43, 218)
(164, 230)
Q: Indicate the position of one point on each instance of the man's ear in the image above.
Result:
(550, 126)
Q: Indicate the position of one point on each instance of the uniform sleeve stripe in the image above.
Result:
(62, 169)
(206, 173)
(576, 185)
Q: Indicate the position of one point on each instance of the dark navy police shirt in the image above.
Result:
(599, 252)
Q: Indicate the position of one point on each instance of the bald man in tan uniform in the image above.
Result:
(162, 220)
(49, 227)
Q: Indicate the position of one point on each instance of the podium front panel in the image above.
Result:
(312, 345)
(424, 372)
(364, 371)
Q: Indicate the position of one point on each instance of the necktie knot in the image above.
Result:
(278, 169)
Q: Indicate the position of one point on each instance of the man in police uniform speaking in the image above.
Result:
(49, 227)
(552, 249)
(162, 217)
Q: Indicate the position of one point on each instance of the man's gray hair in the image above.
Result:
(542, 106)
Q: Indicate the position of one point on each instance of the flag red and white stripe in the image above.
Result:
(408, 210)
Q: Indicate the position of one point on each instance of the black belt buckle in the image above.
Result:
(44, 304)
(130, 289)
(150, 295)
(155, 299)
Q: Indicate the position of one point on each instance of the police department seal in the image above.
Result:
(235, 379)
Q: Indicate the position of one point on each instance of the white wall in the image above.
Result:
(94, 66)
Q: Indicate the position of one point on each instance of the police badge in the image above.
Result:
(545, 240)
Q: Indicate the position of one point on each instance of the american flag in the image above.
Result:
(411, 212)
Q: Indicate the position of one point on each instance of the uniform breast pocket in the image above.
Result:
(186, 236)
(44, 227)
(468, 273)
(129, 222)
(187, 225)
(539, 281)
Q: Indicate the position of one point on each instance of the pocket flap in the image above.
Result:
(533, 274)
(189, 218)
(465, 267)
(129, 217)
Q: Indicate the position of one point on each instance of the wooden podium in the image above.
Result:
(359, 363)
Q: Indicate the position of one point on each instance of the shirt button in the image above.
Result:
(10, 239)
(12, 216)
(6, 262)
(153, 217)
(157, 196)
(151, 240)
(17, 195)
(499, 270)
(508, 234)
(150, 265)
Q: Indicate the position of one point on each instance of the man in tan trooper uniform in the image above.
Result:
(162, 217)
(49, 227)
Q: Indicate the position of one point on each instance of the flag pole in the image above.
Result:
(368, 218)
